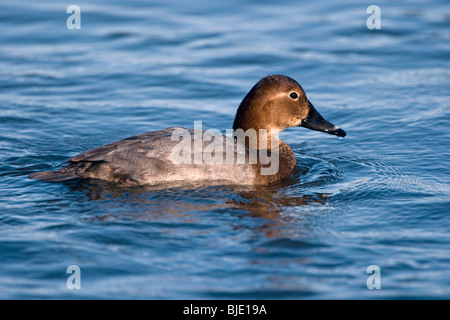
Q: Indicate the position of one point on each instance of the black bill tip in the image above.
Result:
(315, 121)
(340, 133)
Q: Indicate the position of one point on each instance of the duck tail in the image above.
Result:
(53, 176)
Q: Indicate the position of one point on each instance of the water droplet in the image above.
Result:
(340, 138)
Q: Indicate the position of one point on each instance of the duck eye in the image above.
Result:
(293, 95)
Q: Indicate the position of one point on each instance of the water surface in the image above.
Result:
(379, 197)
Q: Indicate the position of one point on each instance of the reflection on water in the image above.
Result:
(177, 201)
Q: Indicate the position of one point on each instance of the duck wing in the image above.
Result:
(124, 161)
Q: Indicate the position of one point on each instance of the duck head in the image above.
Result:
(279, 102)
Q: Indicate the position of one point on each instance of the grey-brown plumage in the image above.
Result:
(147, 159)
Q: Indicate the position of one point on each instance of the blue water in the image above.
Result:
(379, 197)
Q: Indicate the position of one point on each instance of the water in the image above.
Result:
(379, 197)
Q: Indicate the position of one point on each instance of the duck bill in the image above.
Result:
(315, 121)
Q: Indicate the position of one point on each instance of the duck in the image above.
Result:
(251, 153)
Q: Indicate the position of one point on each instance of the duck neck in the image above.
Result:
(260, 139)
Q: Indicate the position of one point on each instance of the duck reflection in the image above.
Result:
(185, 202)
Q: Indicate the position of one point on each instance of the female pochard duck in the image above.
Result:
(254, 155)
